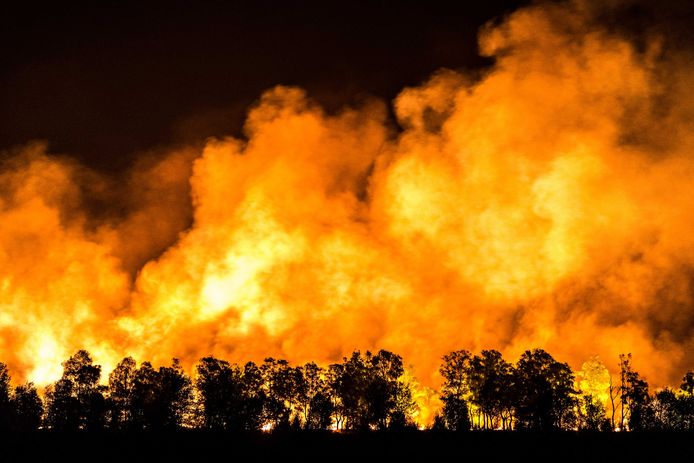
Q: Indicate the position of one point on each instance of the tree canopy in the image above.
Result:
(363, 392)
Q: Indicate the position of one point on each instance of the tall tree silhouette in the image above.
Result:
(633, 394)
(454, 370)
(282, 384)
(390, 398)
(367, 388)
(120, 393)
(230, 398)
(404, 409)
(685, 402)
(5, 396)
(219, 386)
(176, 394)
(614, 396)
(27, 408)
(490, 378)
(544, 393)
(254, 398)
(349, 382)
(144, 410)
(76, 400)
(160, 398)
(314, 397)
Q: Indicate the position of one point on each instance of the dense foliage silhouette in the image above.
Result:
(363, 392)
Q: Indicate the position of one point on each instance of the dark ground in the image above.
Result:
(327, 447)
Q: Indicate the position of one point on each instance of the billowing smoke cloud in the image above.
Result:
(547, 203)
(66, 275)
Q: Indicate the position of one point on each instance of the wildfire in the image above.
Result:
(547, 203)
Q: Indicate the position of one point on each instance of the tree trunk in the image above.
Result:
(614, 410)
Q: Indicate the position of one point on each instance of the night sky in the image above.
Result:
(102, 81)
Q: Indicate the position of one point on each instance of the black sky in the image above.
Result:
(102, 80)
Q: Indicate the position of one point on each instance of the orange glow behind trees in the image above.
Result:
(547, 203)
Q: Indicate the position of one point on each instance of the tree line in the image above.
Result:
(539, 393)
(363, 392)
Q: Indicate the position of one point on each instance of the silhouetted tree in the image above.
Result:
(633, 395)
(405, 407)
(5, 391)
(685, 402)
(454, 370)
(662, 412)
(143, 401)
(176, 394)
(685, 406)
(314, 397)
(489, 379)
(281, 383)
(384, 388)
(614, 395)
(335, 375)
(120, 393)
(27, 408)
(544, 394)
(367, 389)
(62, 408)
(160, 398)
(455, 413)
(253, 393)
(321, 411)
(76, 400)
(349, 382)
(219, 386)
(684, 410)
(231, 396)
(592, 415)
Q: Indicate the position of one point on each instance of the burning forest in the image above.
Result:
(544, 200)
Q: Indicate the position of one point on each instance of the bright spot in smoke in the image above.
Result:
(49, 358)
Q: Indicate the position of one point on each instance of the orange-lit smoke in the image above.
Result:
(547, 203)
